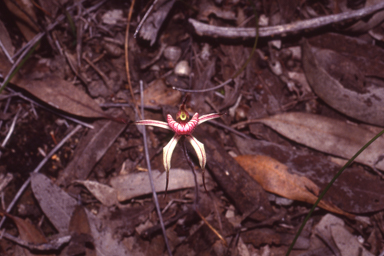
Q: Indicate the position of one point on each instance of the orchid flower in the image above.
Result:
(183, 126)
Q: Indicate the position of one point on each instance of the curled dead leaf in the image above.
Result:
(366, 106)
(274, 177)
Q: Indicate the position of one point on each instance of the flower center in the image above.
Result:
(183, 127)
(183, 116)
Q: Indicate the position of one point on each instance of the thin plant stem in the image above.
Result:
(154, 194)
(23, 59)
(328, 187)
(144, 18)
(126, 55)
(196, 201)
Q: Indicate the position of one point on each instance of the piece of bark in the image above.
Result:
(247, 195)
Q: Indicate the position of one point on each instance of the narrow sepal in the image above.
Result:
(167, 156)
(207, 117)
(200, 150)
(156, 123)
(168, 151)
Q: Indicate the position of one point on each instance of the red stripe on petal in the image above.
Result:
(207, 117)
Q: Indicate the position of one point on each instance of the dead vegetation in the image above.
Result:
(73, 171)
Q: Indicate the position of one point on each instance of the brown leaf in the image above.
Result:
(91, 149)
(20, 9)
(6, 39)
(105, 194)
(28, 232)
(274, 177)
(369, 58)
(55, 203)
(356, 191)
(365, 106)
(329, 135)
(158, 94)
(61, 95)
(364, 25)
(137, 184)
(81, 234)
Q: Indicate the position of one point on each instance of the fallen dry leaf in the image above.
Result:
(329, 135)
(158, 94)
(274, 177)
(137, 184)
(347, 243)
(356, 191)
(6, 40)
(366, 105)
(24, 11)
(364, 25)
(55, 203)
(61, 95)
(368, 57)
(91, 149)
(81, 234)
(28, 233)
(104, 193)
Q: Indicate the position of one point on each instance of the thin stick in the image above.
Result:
(126, 58)
(256, 31)
(203, 29)
(204, 90)
(37, 169)
(11, 128)
(50, 246)
(154, 194)
(144, 18)
(6, 52)
(6, 108)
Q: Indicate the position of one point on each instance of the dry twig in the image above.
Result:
(203, 29)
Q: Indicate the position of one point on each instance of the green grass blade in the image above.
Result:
(327, 188)
(22, 62)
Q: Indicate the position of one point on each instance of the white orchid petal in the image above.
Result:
(200, 150)
(207, 117)
(168, 151)
(156, 123)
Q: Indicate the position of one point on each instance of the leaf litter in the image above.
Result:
(80, 67)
